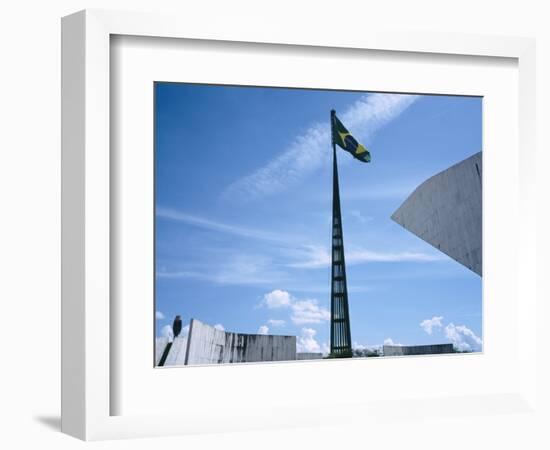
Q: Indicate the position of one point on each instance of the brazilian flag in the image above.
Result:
(342, 137)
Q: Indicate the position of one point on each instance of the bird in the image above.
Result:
(176, 326)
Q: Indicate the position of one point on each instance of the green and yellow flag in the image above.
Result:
(342, 137)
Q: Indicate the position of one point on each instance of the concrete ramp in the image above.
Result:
(446, 212)
(160, 346)
(177, 354)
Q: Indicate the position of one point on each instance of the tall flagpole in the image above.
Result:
(340, 334)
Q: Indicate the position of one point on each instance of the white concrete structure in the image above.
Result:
(446, 211)
(178, 352)
(205, 344)
(208, 345)
(160, 345)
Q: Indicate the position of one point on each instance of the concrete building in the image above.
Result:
(205, 344)
(402, 350)
(446, 211)
(208, 345)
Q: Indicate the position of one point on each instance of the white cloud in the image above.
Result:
(463, 338)
(276, 322)
(159, 315)
(167, 332)
(219, 326)
(263, 330)
(302, 311)
(389, 341)
(308, 152)
(319, 257)
(306, 343)
(277, 299)
(308, 311)
(429, 324)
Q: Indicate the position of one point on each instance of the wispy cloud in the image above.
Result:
(361, 256)
(399, 190)
(159, 315)
(323, 289)
(270, 264)
(356, 214)
(243, 269)
(319, 257)
(222, 227)
(308, 152)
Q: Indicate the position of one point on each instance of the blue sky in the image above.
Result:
(243, 213)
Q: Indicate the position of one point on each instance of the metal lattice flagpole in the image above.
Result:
(340, 334)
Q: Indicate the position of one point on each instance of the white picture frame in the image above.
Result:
(87, 316)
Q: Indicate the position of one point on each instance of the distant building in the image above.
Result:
(403, 350)
(446, 212)
(304, 355)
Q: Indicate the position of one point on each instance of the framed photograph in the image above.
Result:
(287, 223)
(231, 288)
